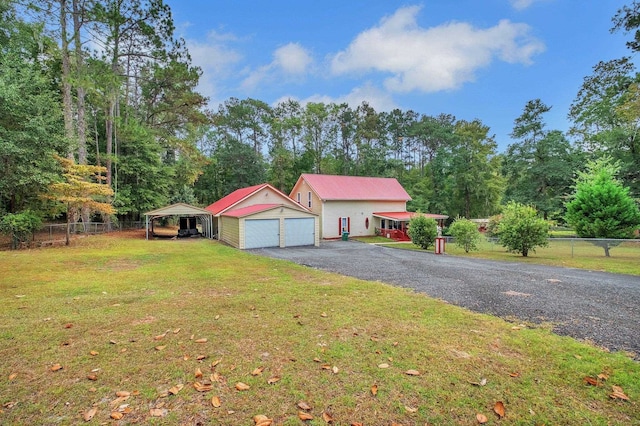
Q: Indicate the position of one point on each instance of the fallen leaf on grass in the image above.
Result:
(302, 415)
(115, 415)
(160, 336)
(94, 353)
(216, 362)
(89, 414)
(412, 373)
(203, 340)
(603, 376)
(92, 377)
(482, 382)
(618, 393)
(498, 408)
(262, 420)
(161, 347)
(357, 424)
(69, 325)
(273, 380)
(324, 315)
(198, 373)
(374, 390)
(327, 417)
(516, 374)
(158, 412)
(591, 381)
(410, 409)
(202, 387)
(257, 371)
(12, 376)
(335, 369)
(242, 386)
(175, 389)
(201, 357)
(122, 394)
(56, 367)
(383, 365)
(215, 401)
(481, 418)
(304, 406)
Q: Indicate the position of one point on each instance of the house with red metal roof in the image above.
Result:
(262, 216)
(358, 205)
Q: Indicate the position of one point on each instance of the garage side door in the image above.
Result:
(299, 232)
(261, 233)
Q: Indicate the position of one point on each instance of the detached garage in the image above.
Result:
(269, 225)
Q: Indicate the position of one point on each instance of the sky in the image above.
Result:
(474, 59)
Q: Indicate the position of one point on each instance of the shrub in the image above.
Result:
(520, 230)
(423, 231)
(20, 226)
(466, 234)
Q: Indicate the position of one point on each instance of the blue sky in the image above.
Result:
(471, 58)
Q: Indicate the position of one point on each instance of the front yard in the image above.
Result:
(194, 332)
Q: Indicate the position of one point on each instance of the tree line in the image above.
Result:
(107, 83)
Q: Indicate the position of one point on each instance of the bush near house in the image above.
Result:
(423, 231)
(521, 230)
(465, 233)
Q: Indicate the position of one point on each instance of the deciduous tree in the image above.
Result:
(423, 231)
(82, 189)
(521, 230)
(466, 234)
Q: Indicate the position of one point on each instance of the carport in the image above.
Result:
(182, 210)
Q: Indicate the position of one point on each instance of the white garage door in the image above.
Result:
(261, 233)
(299, 232)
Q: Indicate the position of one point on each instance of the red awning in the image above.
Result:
(406, 216)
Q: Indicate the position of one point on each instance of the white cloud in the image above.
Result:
(522, 4)
(433, 59)
(216, 60)
(293, 59)
(289, 62)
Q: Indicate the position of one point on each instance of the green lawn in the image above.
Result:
(624, 259)
(124, 314)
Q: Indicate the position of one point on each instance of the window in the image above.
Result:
(309, 202)
(344, 223)
(299, 198)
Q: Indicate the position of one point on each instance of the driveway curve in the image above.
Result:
(599, 307)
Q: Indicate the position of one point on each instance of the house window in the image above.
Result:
(299, 202)
(309, 201)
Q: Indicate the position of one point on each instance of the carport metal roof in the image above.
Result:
(182, 209)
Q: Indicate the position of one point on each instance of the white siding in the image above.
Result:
(357, 212)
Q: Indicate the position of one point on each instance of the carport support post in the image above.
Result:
(147, 227)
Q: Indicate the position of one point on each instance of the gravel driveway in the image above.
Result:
(596, 306)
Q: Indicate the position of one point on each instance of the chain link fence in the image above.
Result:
(55, 233)
(577, 247)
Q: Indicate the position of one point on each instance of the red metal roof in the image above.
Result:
(256, 208)
(406, 216)
(235, 197)
(332, 187)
